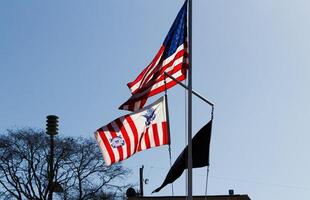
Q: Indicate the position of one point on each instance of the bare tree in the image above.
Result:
(78, 167)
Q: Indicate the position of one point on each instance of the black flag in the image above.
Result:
(200, 152)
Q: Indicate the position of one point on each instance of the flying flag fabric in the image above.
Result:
(201, 147)
(134, 132)
(171, 58)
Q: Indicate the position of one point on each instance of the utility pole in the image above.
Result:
(141, 180)
(51, 130)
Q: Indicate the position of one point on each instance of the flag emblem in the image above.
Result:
(149, 116)
(117, 141)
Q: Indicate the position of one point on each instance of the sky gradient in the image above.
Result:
(250, 58)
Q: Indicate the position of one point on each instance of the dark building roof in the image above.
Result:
(215, 197)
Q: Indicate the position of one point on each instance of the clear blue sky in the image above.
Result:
(250, 57)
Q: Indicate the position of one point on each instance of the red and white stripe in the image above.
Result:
(134, 132)
(151, 80)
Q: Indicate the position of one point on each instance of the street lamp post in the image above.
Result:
(51, 130)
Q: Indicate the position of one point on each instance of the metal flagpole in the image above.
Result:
(168, 122)
(193, 91)
(189, 122)
(212, 115)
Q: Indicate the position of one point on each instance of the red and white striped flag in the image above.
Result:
(171, 58)
(134, 132)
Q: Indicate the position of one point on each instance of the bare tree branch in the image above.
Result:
(78, 168)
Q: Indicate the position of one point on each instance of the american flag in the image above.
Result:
(171, 58)
(134, 132)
